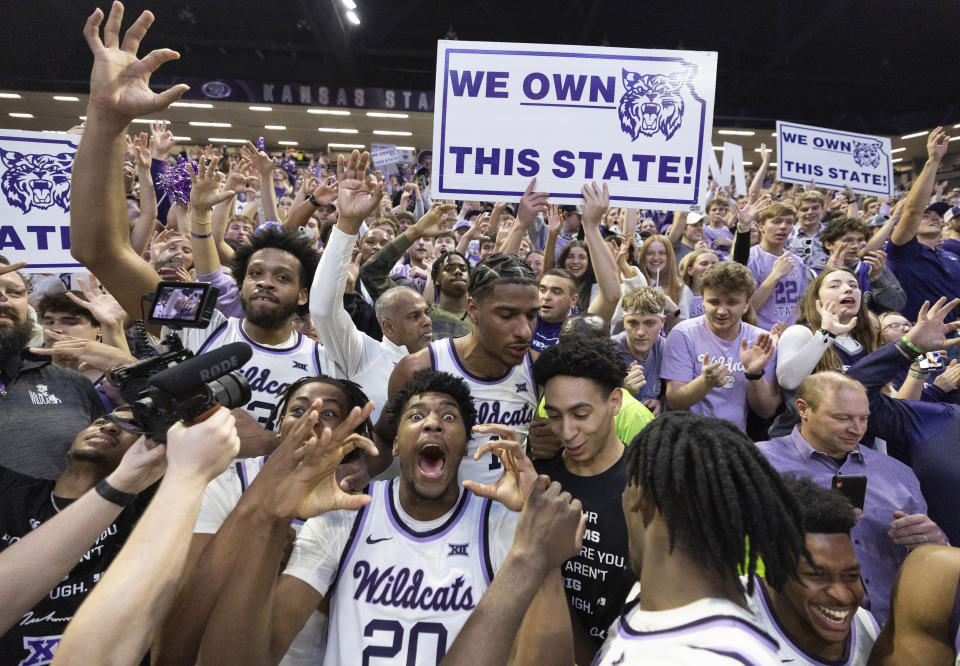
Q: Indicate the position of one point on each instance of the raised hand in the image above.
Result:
(262, 162)
(161, 140)
(783, 266)
(531, 203)
(876, 259)
(430, 225)
(141, 151)
(553, 219)
(325, 193)
(141, 466)
(715, 373)
(512, 488)
(777, 330)
(949, 379)
(764, 153)
(930, 331)
(756, 356)
(634, 381)
(204, 450)
(82, 353)
(596, 201)
(551, 525)
(830, 319)
(100, 304)
(358, 194)
(120, 81)
(838, 254)
(937, 144)
(747, 211)
(205, 186)
(238, 177)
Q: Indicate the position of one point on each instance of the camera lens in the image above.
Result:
(231, 390)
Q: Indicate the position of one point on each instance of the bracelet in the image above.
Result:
(907, 350)
(918, 374)
(206, 235)
(313, 200)
(915, 349)
(111, 494)
(827, 334)
(752, 376)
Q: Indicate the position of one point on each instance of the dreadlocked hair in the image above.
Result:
(442, 260)
(428, 380)
(278, 239)
(499, 268)
(354, 394)
(718, 495)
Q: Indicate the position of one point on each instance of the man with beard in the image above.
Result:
(272, 274)
(94, 458)
(42, 406)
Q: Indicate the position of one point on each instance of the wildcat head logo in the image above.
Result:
(866, 154)
(652, 103)
(36, 181)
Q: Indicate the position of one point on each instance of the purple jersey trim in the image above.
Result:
(270, 350)
(767, 605)
(244, 482)
(352, 541)
(429, 535)
(486, 561)
(433, 357)
(629, 633)
(467, 373)
(217, 332)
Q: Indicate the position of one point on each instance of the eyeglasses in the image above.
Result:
(125, 424)
(903, 326)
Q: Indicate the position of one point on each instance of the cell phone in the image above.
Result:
(853, 487)
(932, 361)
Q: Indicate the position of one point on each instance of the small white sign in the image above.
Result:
(834, 159)
(384, 155)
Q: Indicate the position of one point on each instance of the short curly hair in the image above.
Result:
(728, 277)
(839, 227)
(353, 392)
(428, 380)
(825, 511)
(592, 358)
(278, 239)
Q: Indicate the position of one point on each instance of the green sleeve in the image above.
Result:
(633, 417)
(376, 272)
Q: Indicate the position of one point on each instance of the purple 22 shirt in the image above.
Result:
(782, 304)
(683, 358)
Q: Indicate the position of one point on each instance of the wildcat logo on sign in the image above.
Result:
(866, 154)
(36, 181)
(652, 104)
(638, 120)
(35, 169)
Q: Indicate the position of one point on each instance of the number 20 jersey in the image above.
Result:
(401, 596)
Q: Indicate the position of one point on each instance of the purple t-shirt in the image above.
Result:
(711, 234)
(683, 358)
(782, 304)
(696, 307)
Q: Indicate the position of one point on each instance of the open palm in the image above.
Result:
(358, 195)
(119, 82)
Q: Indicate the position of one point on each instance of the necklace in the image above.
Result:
(54, 503)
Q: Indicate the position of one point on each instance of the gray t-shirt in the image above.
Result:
(42, 409)
(651, 366)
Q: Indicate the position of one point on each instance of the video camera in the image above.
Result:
(176, 385)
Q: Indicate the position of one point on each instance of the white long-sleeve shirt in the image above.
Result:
(355, 354)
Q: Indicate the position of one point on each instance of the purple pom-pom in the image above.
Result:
(260, 144)
(174, 180)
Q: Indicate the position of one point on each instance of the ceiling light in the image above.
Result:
(915, 135)
(260, 108)
(82, 117)
(718, 147)
(953, 138)
(182, 138)
(898, 150)
(275, 127)
(21, 115)
(895, 160)
(215, 139)
(349, 4)
(329, 112)
(773, 134)
(353, 18)
(346, 145)
(11, 96)
(66, 98)
(406, 148)
(736, 132)
(383, 114)
(392, 133)
(338, 130)
(147, 121)
(194, 105)
(773, 164)
(748, 164)
(287, 143)
(199, 123)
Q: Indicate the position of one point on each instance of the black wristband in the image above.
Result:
(753, 376)
(827, 334)
(313, 200)
(111, 494)
(906, 350)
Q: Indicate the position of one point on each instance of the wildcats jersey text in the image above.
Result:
(270, 370)
(510, 400)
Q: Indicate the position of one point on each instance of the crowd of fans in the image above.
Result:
(719, 437)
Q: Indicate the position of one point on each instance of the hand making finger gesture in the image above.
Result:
(359, 195)
(513, 487)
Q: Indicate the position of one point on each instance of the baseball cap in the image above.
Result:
(613, 230)
(461, 224)
(951, 214)
(939, 207)
(877, 220)
(694, 218)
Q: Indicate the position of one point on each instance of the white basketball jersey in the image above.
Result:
(863, 632)
(270, 370)
(510, 400)
(718, 630)
(402, 596)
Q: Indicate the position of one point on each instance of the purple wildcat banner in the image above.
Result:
(35, 202)
(639, 120)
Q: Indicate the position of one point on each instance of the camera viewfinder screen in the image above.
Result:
(178, 303)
